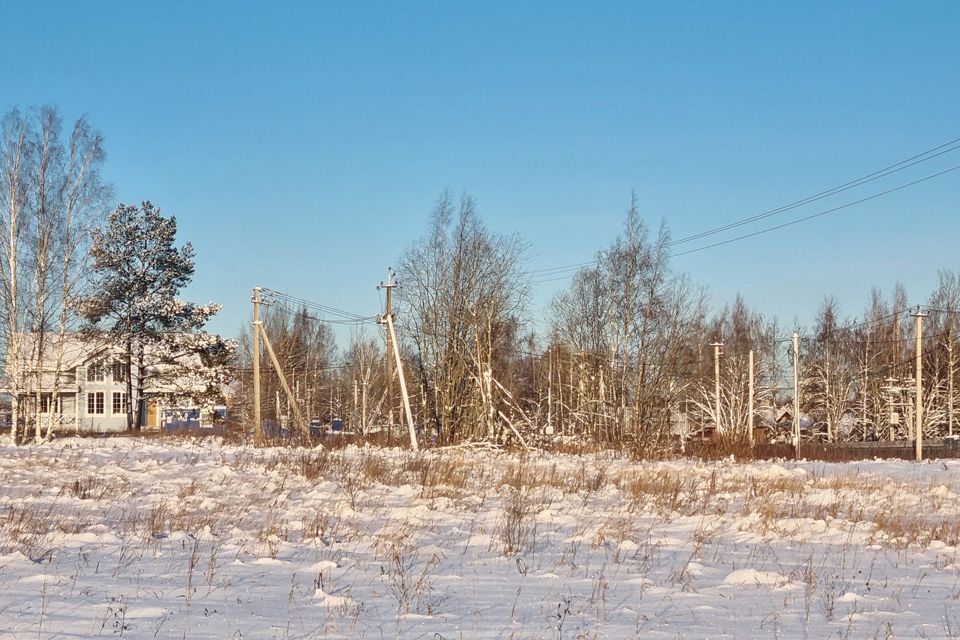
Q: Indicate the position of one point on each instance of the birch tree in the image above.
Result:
(51, 196)
(630, 326)
(461, 299)
(366, 379)
(741, 330)
(829, 370)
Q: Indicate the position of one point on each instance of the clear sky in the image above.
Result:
(302, 145)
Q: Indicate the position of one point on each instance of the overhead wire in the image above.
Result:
(816, 215)
(876, 175)
(296, 304)
(550, 274)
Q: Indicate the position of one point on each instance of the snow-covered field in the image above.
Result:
(171, 539)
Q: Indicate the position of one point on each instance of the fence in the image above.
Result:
(845, 451)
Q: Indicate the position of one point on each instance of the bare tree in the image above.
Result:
(51, 197)
(365, 376)
(740, 330)
(628, 326)
(829, 370)
(940, 358)
(461, 301)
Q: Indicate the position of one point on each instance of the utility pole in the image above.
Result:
(918, 411)
(796, 394)
(403, 385)
(291, 401)
(549, 429)
(356, 404)
(388, 313)
(896, 343)
(279, 410)
(863, 393)
(950, 381)
(716, 375)
(750, 401)
(257, 422)
(892, 406)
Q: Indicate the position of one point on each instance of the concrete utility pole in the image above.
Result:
(403, 385)
(291, 400)
(796, 394)
(918, 374)
(257, 422)
(863, 393)
(549, 428)
(388, 313)
(894, 419)
(716, 375)
(750, 401)
(950, 381)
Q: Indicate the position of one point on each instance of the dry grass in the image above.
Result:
(591, 519)
(522, 486)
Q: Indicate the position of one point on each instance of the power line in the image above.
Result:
(301, 311)
(311, 304)
(817, 215)
(876, 175)
(561, 272)
(295, 304)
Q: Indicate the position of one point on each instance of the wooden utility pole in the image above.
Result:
(388, 313)
(257, 421)
(750, 400)
(918, 374)
(716, 376)
(796, 394)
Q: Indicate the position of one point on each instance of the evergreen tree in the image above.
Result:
(138, 274)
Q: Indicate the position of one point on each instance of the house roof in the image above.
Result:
(180, 374)
(73, 350)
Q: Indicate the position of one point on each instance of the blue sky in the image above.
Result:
(302, 145)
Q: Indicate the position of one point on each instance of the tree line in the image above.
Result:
(625, 359)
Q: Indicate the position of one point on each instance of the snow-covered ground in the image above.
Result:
(173, 539)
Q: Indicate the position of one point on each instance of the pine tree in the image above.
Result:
(139, 272)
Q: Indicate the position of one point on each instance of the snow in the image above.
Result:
(759, 578)
(203, 539)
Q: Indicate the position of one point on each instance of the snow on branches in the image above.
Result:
(139, 271)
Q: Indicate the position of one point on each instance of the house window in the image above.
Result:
(95, 403)
(95, 372)
(119, 403)
(120, 372)
(45, 403)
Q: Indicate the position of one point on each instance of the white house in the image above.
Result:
(89, 394)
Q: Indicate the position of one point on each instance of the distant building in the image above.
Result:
(81, 387)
